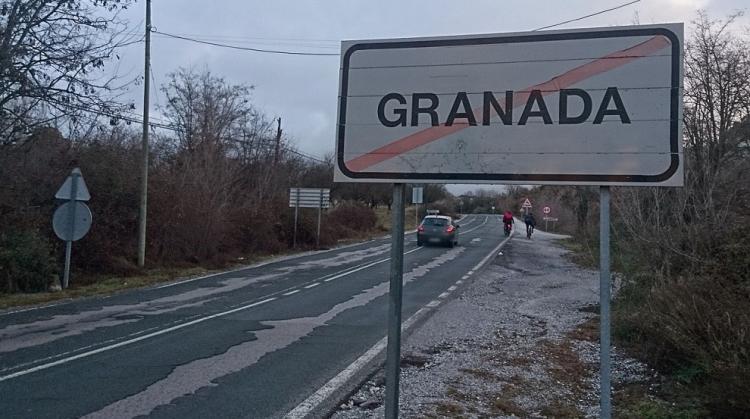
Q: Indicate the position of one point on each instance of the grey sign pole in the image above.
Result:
(296, 214)
(393, 358)
(72, 221)
(605, 403)
(320, 210)
(416, 215)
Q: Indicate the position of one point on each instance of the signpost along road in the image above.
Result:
(596, 106)
(71, 220)
(308, 198)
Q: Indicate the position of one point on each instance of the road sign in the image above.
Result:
(417, 195)
(309, 197)
(550, 218)
(526, 203)
(598, 106)
(71, 221)
(66, 190)
(546, 210)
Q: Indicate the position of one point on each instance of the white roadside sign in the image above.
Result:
(597, 106)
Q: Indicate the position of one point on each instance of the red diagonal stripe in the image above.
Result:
(428, 135)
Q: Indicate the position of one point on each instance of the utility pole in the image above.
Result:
(278, 143)
(144, 168)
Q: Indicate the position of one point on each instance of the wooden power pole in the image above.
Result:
(144, 167)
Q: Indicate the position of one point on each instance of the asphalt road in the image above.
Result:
(254, 342)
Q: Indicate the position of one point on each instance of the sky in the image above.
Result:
(303, 90)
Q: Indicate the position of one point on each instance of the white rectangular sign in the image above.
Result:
(417, 195)
(597, 106)
(310, 197)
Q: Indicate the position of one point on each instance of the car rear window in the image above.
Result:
(439, 222)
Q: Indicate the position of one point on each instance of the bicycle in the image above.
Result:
(529, 230)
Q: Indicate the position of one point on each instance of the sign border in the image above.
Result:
(674, 133)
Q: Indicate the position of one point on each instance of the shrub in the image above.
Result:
(698, 329)
(354, 216)
(25, 261)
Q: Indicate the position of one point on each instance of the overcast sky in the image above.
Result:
(303, 89)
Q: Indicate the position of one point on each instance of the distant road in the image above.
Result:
(254, 342)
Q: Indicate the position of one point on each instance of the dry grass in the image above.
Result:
(99, 287)
(586, 331)
(384, 218)
(566, 367)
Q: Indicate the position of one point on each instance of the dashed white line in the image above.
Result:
(465, 277)
(433, 303)
(134, 340)
(290, 292)
(443, 295)
(313, 285)
(452, 288)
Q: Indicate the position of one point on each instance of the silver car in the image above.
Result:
(437, 229)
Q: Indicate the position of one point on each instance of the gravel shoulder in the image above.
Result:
(520, 340)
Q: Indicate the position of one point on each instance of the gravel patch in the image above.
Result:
(519, 340)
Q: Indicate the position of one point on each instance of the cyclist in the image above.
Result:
(508, 221)
(530, 223)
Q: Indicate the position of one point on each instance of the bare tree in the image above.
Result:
(716, 140)
(52, 53)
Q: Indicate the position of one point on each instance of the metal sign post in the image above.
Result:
(309, 198)
(393, 357)
(417, 197)
(296, 215)
(604, 297)
(320, 211)
(71, 220)
(72, 226)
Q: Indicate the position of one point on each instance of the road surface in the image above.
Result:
(255, 342)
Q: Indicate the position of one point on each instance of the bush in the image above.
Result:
(354, 216)
(696, 328)
(25, 262)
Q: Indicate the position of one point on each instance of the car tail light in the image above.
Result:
(420, 228)
(450, 229)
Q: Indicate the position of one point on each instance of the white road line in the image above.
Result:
(134, 340)
(308, 405)
(471, 272)
(433, 303)
(459, 282)
(452, 288)
(313, 285)
(443, 295)
(366, 266)
(290, 292)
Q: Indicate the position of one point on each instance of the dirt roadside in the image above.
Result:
(521, 340)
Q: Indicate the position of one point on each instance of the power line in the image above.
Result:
(587, 16)
(291, 150)
(268, 51)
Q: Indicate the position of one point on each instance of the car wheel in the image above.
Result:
(451, 243)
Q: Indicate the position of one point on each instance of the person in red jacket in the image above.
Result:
(508, 221)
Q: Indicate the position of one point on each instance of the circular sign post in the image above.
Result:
(72, 220)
